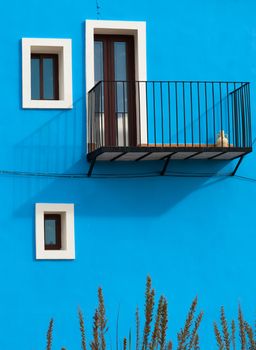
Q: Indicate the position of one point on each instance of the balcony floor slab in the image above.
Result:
(143, 153)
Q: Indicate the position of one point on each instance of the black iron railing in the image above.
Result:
(169, 114)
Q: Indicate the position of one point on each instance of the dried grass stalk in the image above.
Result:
(156, 332)
(218, 336)
(125, 344)
(225, 331)
(82, 329)
(250, 335)
(196, 343)
(137, 315)
(95, 344)
(49, 335)
(194, 334)
(184, 334)
(169, 346)
(149, 307)
(241, 329)
(130, 340)
(102, 320)
(233, 334)
(163, 325)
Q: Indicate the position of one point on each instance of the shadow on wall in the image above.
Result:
(122, 197)
(57, 145)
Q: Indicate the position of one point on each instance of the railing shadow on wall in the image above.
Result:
(118, 197)
(56, 145)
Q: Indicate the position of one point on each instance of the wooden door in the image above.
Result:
(115, 65)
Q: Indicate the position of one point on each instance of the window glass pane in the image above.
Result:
(98, 61)
(35, 78)
(120, 74)
(120, 60)
(50, 231)
(48, 78)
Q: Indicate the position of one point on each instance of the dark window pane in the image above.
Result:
(50, 231)
(120, 74)
(98, 61)
(120, 60)
(35, 78)
(44, 77)
(48, 78)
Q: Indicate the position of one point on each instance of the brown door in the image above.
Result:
(114, 65)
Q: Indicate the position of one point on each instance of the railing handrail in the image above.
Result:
(244, 83)
(98, 83)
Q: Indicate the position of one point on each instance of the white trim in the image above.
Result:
(63, 48)
(67, 231)
(138, 30)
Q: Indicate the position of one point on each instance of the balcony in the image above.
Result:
(177, 120)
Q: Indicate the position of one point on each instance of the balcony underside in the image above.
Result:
(151, 153)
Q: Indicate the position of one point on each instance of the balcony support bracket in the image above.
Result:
(237, 165)
(163, 171)
(91, 167)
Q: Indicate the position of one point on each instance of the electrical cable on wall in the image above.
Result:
(111, 176)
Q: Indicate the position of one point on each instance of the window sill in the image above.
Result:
(55, 255)
(47, 104)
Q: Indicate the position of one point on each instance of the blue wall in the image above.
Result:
(193, 235)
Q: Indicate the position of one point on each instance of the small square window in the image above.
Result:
(44, 77)
(46, 73)
(55, 231)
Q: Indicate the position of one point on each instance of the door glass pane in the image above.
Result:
(98, 61)
(50, 231)
(99, 92)
(48, 78)
(35, 78)
(120, 76)
(120, 62)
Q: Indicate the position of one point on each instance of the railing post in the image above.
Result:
(250, 118)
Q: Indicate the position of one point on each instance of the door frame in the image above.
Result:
(138, 30)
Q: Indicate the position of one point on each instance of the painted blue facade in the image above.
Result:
(193, 235)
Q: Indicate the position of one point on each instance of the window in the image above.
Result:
(54, 231)
(44, 77)
(46, 73)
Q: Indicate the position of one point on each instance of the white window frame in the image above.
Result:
(138, 30)
(62, 47)
(67, 231)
